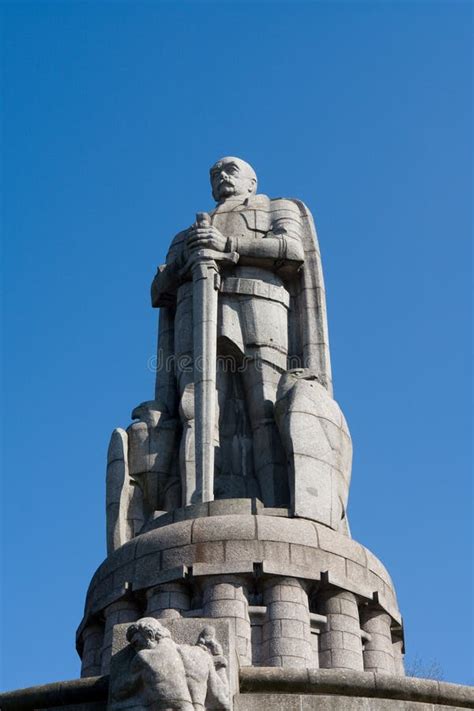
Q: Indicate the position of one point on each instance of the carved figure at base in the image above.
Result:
(206, 673)
(165, 676)
(156, 680)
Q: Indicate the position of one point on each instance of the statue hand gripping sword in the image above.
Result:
(203, 263)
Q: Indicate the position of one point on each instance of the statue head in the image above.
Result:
(146, 633)
(207, 640)
(232, 177)
(207, 634)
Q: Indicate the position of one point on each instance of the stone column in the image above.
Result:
(168, 600)
(226, 597)
(398, 657)
(340, 644)
(378, 652)
(286, 630)
(93, 639)
(116, 613)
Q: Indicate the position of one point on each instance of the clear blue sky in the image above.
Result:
(112, 114)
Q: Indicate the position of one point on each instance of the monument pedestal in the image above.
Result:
(307, 617)
(296, 593)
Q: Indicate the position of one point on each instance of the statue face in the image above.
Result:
(140, 640)
(232, 177)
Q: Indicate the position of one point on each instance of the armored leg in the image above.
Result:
(260, 380)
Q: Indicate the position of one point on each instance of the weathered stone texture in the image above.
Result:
(286, 637)
(168, 600)
(226, 597)
(378, 649)
(317, 439)
(115, 614)
(340, 644)
(93, 640)
(269, 688)
(291, 702)
(168, 569)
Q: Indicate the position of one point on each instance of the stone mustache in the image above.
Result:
(243, 405)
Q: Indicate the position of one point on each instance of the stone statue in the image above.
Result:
(207, 641)
(243, 412)
(165, 676)
(270, 312)
(242, 311)
(141, 475)
(205, 668)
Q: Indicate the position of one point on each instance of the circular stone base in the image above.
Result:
(296, 593)
(330, 690)
(225, 538)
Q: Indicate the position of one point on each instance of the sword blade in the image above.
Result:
(205, 355)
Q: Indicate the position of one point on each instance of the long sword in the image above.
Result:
(206, 282)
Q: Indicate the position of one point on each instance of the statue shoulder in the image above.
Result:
(293, 205)
(279, 204)
(176, 246)
(177, 239)
(257, 202)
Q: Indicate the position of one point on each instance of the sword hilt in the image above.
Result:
(203, 219)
